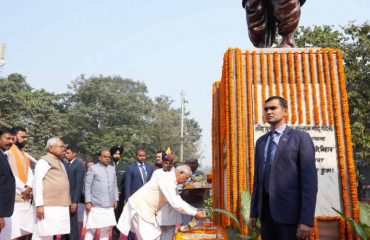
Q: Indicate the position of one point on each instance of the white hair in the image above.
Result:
(51, 142)
(184, 168)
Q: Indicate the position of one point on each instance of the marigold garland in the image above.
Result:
(299, 87)
(315, 230)
(291, 86)
(321, 85)
(270, 76)
(348, 137)
(263, 80)
(250, 120)
(277, 73)
(328, 87)
(314, 92)
(284, 77)
(255, 86)
(203, 230)
(339, 135)
(306, 89)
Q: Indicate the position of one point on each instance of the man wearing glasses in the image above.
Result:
(51, 193)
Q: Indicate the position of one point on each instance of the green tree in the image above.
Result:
(354, 41)
(38, 111)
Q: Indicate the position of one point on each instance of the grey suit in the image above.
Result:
(101, 186)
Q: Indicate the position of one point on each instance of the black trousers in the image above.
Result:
(117, 212)
(271, 230)
(74, 234)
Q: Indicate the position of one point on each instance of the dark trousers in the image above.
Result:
(74, 234)
(271, 230)
(117, 212)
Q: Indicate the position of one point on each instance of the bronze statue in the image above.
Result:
(264, 17)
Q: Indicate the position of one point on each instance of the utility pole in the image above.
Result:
(2, 56)
(182, 126)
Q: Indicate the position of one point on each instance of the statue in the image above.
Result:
(264, 17)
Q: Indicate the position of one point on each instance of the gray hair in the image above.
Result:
(51, 142)
(184, 168)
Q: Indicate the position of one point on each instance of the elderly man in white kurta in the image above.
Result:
(139, 213)
(51, 193)
(101, 196)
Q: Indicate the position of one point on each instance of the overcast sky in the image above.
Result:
(169, 45)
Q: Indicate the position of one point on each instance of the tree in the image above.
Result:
(354, 41)
(38, 111)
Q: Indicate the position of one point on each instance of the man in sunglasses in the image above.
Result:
(285, 178)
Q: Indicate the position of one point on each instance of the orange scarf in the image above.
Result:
(22, 174)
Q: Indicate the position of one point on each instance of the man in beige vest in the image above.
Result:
(139, 213)
(51, 193)
(23, 216)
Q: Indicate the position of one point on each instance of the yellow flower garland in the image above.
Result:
(250, 120)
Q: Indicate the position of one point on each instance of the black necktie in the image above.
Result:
(267, 169)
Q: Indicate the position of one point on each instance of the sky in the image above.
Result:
(169, 45)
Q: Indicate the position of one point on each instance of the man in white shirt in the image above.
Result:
(139, 213)
(23, 216)
(51, 193)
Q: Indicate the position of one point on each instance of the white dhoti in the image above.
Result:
(20, 223)
(55, 222)
(99, 218)
(131, 221)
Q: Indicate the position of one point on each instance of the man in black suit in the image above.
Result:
(137, 174)
(76, 174)
(120, 165)
(285, 178)
(7, 181)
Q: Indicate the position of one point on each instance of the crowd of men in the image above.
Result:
(65, 194)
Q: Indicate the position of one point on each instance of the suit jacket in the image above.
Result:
(76, 174)
(293, 179)
(7, 187)
(133, 180)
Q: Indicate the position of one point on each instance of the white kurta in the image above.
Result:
(131, 220)
(21, 222)
(56, 218)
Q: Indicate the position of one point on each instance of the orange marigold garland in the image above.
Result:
(321, 85)
(299, 87)
(284, 77)
(313, 84)
(339, 135)
(270, 75)
(249, 118)
(277, 73)
(227, 122)
(348, 137)
(328, 87)
(255, 86)
(291, 88)
(306, 89)
(263, 80)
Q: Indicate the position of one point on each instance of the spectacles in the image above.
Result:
(60, 146)
(270, 108)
